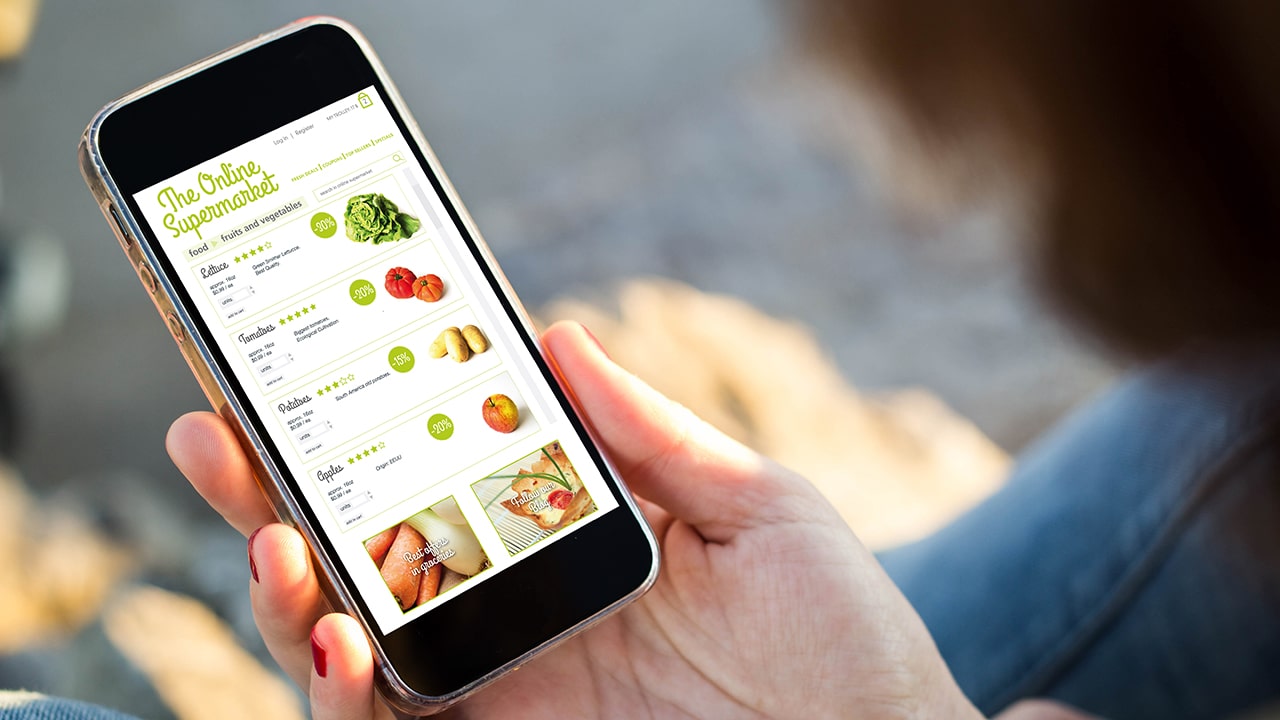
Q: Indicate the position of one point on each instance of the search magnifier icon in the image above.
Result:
(398, 157)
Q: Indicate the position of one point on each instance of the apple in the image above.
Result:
(501, 413)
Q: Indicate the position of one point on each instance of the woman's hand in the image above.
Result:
(767, 605)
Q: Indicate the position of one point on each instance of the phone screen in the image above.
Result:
(391, 380)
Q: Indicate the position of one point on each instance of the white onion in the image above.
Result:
(468, 557)
(448, 511)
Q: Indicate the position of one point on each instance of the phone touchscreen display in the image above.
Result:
(376, 355)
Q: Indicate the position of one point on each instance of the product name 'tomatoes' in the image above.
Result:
(249, 181)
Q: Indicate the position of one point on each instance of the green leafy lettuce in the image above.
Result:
(374, 217)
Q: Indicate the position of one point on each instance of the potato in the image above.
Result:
(475, 339)
(456, 345)
(438, 349)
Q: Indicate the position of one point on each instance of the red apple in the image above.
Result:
(501, 413)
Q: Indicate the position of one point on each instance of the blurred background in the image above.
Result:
(593, 143)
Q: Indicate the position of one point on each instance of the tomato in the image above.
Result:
(559, 499)
(400, 282)
(429, 288)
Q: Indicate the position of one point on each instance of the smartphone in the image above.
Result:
(342, 313)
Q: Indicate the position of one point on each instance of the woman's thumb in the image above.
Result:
(665, 453)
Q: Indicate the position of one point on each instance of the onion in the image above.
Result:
(468, 557)
(448, 511)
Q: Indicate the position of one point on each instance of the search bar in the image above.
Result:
(377, 167)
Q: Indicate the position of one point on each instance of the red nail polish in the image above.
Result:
(594, 339)
(253, 567)
(317, 655)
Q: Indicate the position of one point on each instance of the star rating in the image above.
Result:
(364, 453)
(253, 252)
(297, 315)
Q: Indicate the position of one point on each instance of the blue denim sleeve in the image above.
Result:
(17, 705)
(1131, 565)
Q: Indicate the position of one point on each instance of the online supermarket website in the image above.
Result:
(376, 355)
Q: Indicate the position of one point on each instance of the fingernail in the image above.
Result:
(594, 339)
(253, 566)
(317, 655)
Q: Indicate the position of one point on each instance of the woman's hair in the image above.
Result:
(1147, 136)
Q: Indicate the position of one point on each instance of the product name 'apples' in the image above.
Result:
(500, 413)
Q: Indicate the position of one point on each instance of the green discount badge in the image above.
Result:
(400, 359)
(363, 292)
(323, 225)
(440, 426)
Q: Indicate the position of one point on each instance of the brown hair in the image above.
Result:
(1149, 136)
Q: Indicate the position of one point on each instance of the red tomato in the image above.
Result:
(400, 282)
(429, 288)
(559, 499)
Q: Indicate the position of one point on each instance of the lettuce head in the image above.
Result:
(373, 217)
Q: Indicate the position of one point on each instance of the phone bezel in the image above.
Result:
(311, 65)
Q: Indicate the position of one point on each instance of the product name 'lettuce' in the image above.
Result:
(247, 183)
(374, 217)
